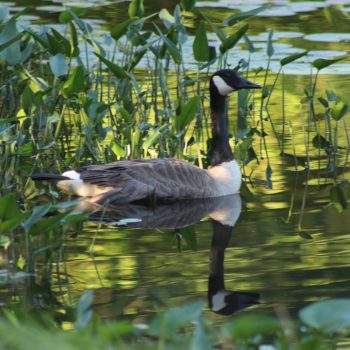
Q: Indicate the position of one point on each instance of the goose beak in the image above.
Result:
(246, 84)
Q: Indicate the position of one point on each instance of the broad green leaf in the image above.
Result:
(229, 21)
(247, 326)
(200, 44)
(117, 149)
(233, 39)
(324, 102)
(4, 13)
(119, 72)
(328, 316)
(320, 142)
(63, 42)
(37, 213)
(250, 45)
(75, 82)
(188, 234)
(66, 16)
(292, 58)
(10, 42)
(136, 8)
(270, 50)
(45, 225)
(84, 312)
(8, 207)
(171, 47)
(200, 339)
(58, 65)
(153, 139)
(339, 110)
(188, 5)
(74, 42)
(11, 53)
(11, 224)
(121, 29)
(220, 34)
(166, 324)
(321, 63)
(187, 114)
(40, 39)
(167, 18)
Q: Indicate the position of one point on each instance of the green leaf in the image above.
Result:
(58, 65)
(328, 316)
(166, 324)
(220, 34)
(10, 42)
(171, 47)
(45, 225)
(153, 139)
(200, 44)
(320, 142)
(117, 149)
(187, 114)
(321, 63)
(200, 339)
(9, 37)
(136, 8)
(37, 213)
(84, 312)
(233, 39)
(66, 16)
(188, 5)
(188, 234)
(121, 29)
(292, 58)
(270, 50)
(246, 326)
(339, 110)
(229, 21)
(324, 102)
(4, 13)
(119, 72)
(8, 207)
(75, 82)
(167, 18)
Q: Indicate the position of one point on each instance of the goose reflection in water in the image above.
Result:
(223, 212)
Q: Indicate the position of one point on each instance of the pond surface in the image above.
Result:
(289, 246)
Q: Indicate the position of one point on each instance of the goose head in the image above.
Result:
(225, 81)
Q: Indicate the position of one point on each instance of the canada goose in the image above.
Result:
(166, 179)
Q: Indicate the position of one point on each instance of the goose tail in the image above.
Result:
(49, 177)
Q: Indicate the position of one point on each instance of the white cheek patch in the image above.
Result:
(222, 86)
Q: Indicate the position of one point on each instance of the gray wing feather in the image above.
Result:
(160, 178)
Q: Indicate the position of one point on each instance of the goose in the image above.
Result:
(166, 179)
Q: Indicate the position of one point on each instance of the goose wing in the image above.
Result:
(165, 179)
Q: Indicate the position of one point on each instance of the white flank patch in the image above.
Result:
(227, 177)
(73, 175)
(218, 300)
(222, 86)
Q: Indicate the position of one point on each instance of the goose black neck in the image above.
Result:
(221, 150)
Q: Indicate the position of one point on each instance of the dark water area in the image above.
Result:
(290, 246)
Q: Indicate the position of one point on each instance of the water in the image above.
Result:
(288, 247)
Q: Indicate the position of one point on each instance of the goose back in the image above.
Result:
(129, 181)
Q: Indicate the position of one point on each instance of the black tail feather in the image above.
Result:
(49, 177)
